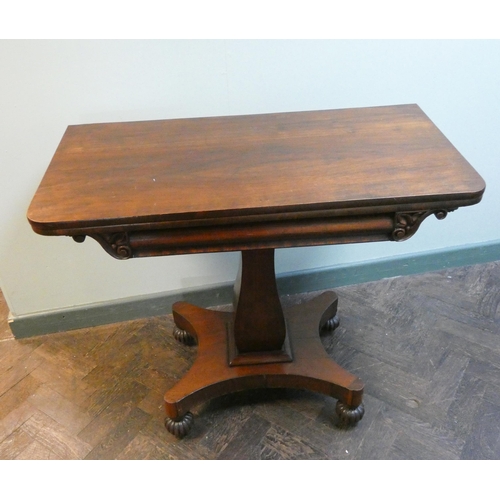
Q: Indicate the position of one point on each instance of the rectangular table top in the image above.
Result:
(162, 172)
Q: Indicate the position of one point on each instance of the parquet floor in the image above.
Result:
(427, 347)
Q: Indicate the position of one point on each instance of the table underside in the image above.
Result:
(261, 345)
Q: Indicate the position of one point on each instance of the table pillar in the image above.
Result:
(259, 323)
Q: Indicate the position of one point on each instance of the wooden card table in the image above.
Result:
(253, 184)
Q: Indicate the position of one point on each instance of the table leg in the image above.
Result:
(258, 346)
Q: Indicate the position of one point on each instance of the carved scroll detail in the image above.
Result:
(116, 244)
(407, 223)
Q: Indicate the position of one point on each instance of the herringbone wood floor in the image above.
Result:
(427, 347)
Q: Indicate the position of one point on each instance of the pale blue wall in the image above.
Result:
(47, 85)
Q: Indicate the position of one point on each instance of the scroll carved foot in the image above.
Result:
(183, 336)
(179, 428)
(349, 415)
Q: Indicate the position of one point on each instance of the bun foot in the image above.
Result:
(332, 324)
(180, 428)
(183, 336)
(349, 415)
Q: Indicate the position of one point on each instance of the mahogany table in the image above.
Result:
(253, 184)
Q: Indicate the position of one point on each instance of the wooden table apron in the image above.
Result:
(253, 184)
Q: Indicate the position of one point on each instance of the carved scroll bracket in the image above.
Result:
(116, 244)
(398, 227)
(407, 223)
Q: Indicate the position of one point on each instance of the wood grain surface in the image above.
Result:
(155, 172)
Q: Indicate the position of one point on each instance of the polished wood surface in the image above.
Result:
(254, 183)
(311, 368)
(246, 169)
(256, 289)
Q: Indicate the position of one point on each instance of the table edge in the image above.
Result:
(274, 214)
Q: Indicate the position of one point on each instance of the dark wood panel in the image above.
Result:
(127, 174)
